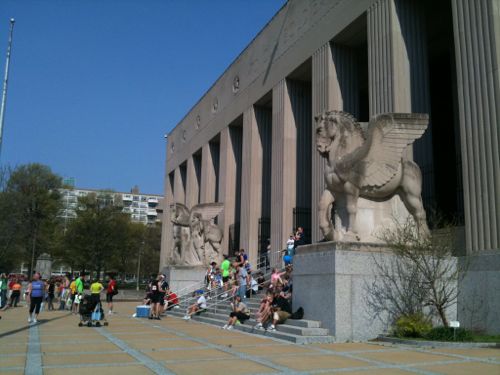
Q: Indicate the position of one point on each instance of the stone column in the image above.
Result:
(179, 190)
(283, 189)
(208, 177)
(192, 184)
(251, 185)
(334, 87)
(227, 184)
(476, 25)
(166, 225)
(323, 79)
(398, 71)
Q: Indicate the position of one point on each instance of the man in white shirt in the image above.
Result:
(199, 306)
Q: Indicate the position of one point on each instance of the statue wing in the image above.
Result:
(182, 214)
(387, 137)
(208, 211)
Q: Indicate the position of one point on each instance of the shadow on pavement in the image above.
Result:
(40, 322)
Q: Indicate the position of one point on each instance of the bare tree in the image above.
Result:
(396, 291)
(423, 273)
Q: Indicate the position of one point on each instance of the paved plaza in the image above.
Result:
(56, 345)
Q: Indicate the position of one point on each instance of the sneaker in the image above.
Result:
(272, 328)
(110, 312)
(186, 317)
(230, 328)
(35, 321)
(259, 326)
(29, 319)
(150, 317)
(225, 326)
(158, 318)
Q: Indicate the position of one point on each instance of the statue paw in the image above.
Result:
(351, 236)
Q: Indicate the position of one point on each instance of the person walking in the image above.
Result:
(36, 291)
(111, 291)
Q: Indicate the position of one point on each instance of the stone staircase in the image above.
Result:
(297, 331)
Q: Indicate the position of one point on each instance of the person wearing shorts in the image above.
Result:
(240, 313)
(163, 292)
(110, 292)
(156, 297)
(36, 291)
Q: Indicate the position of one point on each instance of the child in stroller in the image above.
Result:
(91, 313)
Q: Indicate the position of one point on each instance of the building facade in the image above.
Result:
(249, 141)
(142, 208)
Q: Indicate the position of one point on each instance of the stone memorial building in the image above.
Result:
(249, 142)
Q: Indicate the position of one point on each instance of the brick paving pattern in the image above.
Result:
(56, 345)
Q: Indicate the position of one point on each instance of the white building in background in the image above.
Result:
(142, 208)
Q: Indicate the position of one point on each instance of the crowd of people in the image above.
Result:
(65, 293)
(235, 282)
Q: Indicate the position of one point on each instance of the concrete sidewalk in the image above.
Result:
(56, 345)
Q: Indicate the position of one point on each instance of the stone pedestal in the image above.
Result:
(479, 297)
(331, 280)
(181, 278)
(44, 266)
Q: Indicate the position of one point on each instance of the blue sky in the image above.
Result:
(95, 84)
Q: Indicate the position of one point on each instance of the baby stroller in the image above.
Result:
(91, 313)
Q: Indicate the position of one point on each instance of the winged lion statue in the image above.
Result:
(203, 242)
(369, 163)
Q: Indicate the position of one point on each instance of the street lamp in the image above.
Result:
(5, 81)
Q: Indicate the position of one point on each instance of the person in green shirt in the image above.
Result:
(224, 267)
(79, 284)
(3, 290)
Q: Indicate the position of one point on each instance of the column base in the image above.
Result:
(181, 278)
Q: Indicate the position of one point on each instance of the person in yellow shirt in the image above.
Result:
(72, 289)
(95, 290)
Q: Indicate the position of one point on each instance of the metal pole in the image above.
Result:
(139, 266)
(5, 81)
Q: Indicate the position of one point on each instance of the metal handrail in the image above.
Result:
(202, 284)
(217, 301)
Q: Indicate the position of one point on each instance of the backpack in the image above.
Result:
(299, 314)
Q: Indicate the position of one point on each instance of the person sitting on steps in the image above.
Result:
(265, 312)
(240, 313)
(198, 307)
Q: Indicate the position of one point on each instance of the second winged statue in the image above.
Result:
(196, 239)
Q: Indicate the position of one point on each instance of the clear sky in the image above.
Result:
(95, 84)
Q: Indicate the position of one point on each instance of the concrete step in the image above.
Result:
(249, 328)
(287, 327)
(304, 323)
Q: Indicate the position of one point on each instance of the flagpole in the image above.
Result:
(5, 82)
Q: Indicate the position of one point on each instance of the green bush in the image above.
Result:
(446, 334)
(415, 325)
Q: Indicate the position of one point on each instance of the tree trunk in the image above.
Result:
(442, 315)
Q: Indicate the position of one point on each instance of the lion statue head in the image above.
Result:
(340, 126)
